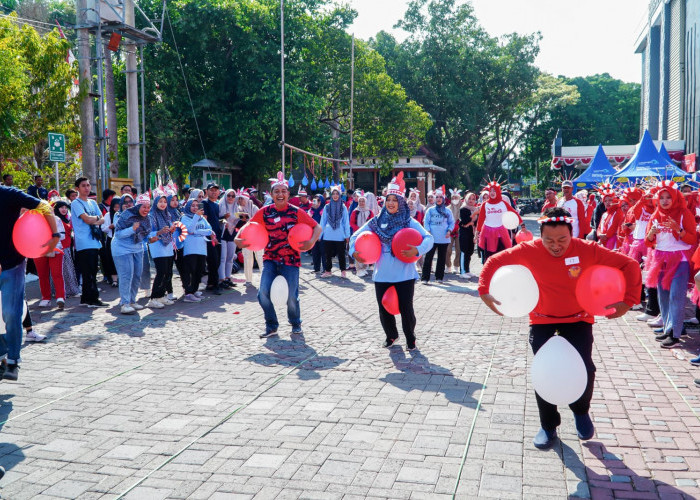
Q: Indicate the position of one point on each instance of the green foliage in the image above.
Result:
(230, 52)
(607, 112)
(35, 85)
(484, 94)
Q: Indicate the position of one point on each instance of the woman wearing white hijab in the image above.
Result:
(227, 208)
(372, 202)
(358, 218)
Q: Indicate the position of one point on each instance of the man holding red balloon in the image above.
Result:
(577, 279)
(393, 241)
(40, 223)
(271, 228)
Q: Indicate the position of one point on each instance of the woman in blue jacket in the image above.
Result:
(130, 231)
(390, 271)
(195, 249)
(160, 243)
(335, 222)
(439, 222)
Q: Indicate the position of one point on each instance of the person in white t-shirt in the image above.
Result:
(575, 207)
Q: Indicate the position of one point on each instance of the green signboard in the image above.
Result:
(57, 147)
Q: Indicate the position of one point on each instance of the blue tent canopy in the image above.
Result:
(664, 154)
(646, 159)
(598, 171)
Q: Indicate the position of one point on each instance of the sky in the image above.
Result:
(579, 37)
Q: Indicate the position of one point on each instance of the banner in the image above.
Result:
(689, 162)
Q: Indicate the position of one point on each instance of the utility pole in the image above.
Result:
(132, 100)
(282, 66)
(99, 49)
(110, 101)
(351, 179)
(87, 117)
(146, 180)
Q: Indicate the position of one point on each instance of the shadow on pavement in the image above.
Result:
(617, 477)
(455, 390)
(10, 453)
(291, 352)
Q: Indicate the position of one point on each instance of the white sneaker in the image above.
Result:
(636, 307)
(136, 307)
(61, 303)
(191, 298)
(691, 321)
(45, 303)
(165, 301)
(464, 275)
(202, 286)
(127, 309)
(362, 273)
(155, 304)
(171, 297)
(656, 322)
(198, 294)
(644, 317)
(34, 337)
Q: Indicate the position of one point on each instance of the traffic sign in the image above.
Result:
(57, 147)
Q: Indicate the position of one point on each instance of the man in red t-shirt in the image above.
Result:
(556, 261)
(280, 259)
(551, 200)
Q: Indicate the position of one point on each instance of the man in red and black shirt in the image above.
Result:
(556, 261)
(280, 259)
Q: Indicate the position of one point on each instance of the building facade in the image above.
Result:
(669, 44)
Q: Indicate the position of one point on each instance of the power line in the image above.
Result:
(179, 60)
(27, 21)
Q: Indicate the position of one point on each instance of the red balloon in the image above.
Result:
(390, 301)
(407, 236)
(31, 232)
(599, 286)
(298, 235)
(240, 257)
(369, 247)
(255, 235)
(523, 235)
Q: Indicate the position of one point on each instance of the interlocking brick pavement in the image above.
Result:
(188, 402)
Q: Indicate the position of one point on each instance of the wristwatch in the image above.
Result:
(56, 235)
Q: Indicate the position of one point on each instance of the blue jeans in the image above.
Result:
(12, 289)
(269, 272)
(672, 302)
(129, 270)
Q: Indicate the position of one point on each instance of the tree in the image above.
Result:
(482, 93)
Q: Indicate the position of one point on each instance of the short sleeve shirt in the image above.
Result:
(278, 223)
(81, 230)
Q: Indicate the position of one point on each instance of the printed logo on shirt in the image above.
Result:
(574, 272)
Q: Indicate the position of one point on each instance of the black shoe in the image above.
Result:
(697, 382)
(268, 334)
(11, 373)
(388, 343)
(297, 330)
(97, 303)
(3, 368)
(544, 439)
(670, 343)
(584, 427)
(662, 337)
(216, 291)
(411, 346)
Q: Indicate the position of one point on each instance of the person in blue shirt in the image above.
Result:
(131, 230)
(195, 249)
(37, 190)
(160, 244)
(439, 222)
(211, 212)
(389, 270)
(335, 222)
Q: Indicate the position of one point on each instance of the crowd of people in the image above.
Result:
(201, 233)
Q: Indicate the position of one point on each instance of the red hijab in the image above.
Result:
(678, 205)
(493, 185)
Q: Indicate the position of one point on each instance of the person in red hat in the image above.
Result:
(611, 219)
(493, 236)
(556, 261)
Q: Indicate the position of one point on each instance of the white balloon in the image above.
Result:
(279, 291)
(516, 289)
(510, 220)
(558, 372)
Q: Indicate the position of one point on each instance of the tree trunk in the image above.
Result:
(110, 99)
(87, 113)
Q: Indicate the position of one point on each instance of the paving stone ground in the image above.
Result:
(188, 402)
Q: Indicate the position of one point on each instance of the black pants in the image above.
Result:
(404, 290)
(333, 248)
(441, 249)
(164, 277)
(485, 254)
(180, 265)
(87, 263)
(213, 261)
(466, 246)
(652, 306)
(108, 267)
(579, 335)
(318, 256)
(193, 265)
